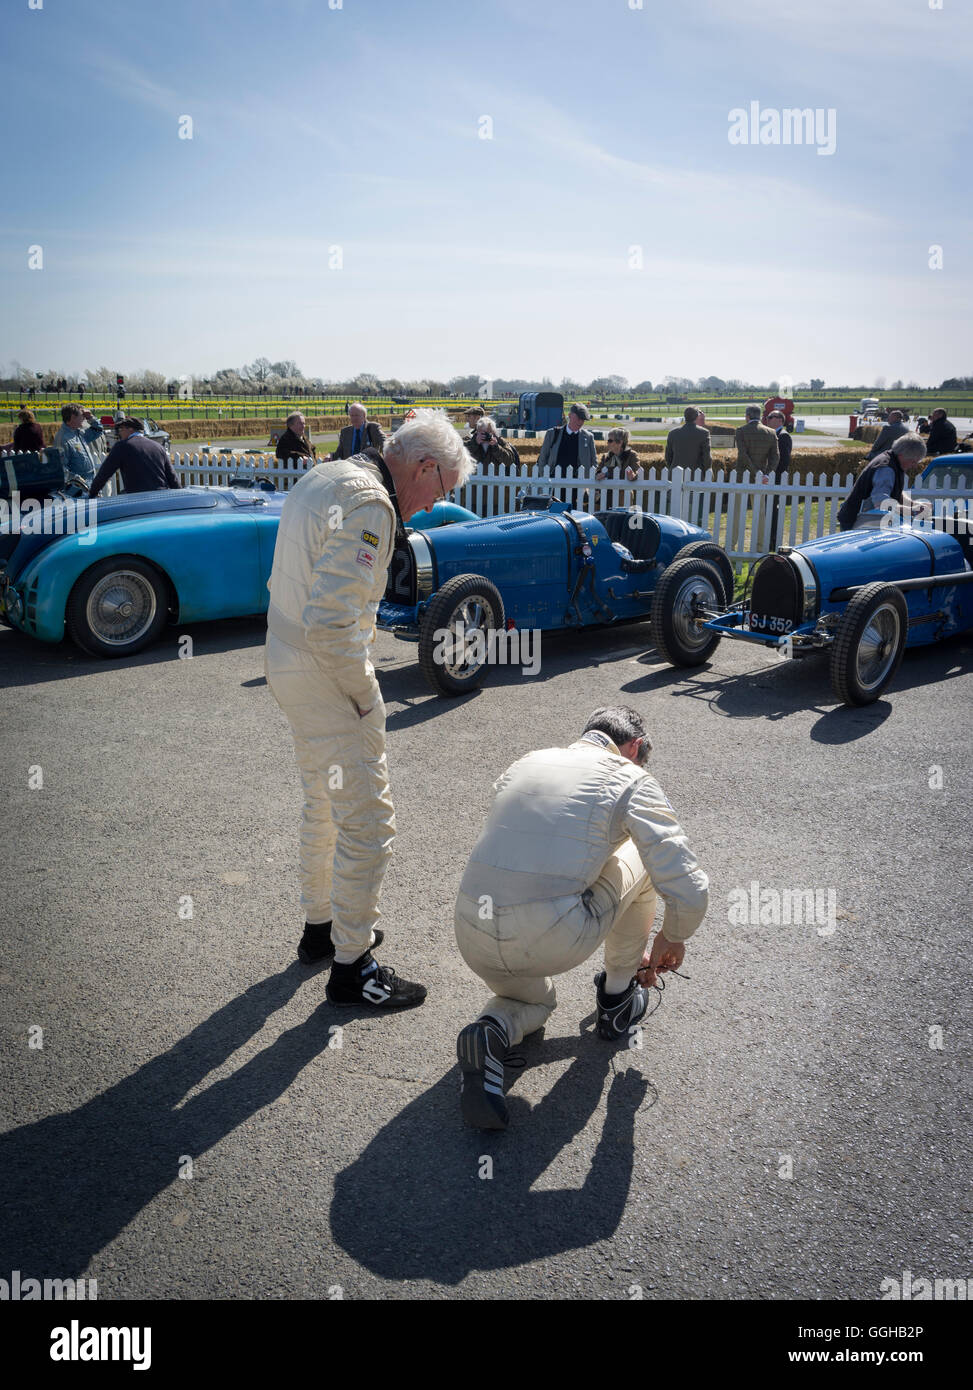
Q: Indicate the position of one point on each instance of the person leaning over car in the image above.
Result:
(484, 446)
(334, 544)
(75, 441)
(144, 464)
(879, 480)
(688, 445)
(294, 442)
(576, 844)
(28, 436)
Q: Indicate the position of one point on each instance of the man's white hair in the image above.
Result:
(911, 445)
(431, 435)
(295, 415)
(357, 405)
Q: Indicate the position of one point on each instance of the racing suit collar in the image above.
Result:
(388, 484)
(600, 740)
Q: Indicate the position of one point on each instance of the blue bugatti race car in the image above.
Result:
(458, 590)
(863, 596)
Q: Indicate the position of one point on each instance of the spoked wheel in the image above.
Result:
(454, 642)
(869, 643)
(117, 607)
(686, 591)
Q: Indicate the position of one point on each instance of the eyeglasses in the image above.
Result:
(442, 485)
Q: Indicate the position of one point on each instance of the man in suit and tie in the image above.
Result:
(687, 446)
(571, 448)
(360, 434)
(757, 447)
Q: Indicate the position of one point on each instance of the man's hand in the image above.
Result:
(630, 474)
(665, 955)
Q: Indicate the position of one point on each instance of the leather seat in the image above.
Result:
(642, 541)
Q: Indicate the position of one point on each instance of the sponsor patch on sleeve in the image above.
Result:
(366, 559)
(370, 538)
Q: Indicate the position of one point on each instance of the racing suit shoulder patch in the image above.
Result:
(370, 538)
(366, 559)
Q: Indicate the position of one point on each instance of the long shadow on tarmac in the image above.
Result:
(73, 1181)
(415, 1206)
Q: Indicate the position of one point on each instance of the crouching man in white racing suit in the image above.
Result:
(576, 845)
(334, 544)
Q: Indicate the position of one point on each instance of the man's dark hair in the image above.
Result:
(690, 414)
(580, 410)
(621, 723)
(68, 410)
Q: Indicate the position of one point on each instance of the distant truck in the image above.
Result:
(534, 410)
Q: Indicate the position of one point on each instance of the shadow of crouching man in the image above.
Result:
(73, 1181)
(446, 1212)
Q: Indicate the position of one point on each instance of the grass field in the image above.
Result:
(47, 407)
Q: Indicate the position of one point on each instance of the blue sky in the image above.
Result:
(359, 128)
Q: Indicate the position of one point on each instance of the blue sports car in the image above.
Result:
(462, 591)
(863, 596)
(112, 573)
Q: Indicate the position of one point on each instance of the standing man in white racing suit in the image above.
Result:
(337, 533)
(576, 845)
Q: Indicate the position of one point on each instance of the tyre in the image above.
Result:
(718, 558)
(454, 642)
(869, 643)
(685, 587)
(117, 607)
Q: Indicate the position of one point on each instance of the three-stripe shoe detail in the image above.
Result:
(480, 1049)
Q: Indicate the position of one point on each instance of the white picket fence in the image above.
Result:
(739, 514)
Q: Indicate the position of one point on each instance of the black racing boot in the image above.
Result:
(617, 1013)
(365, 982)
(316, 946)
(481, 1049)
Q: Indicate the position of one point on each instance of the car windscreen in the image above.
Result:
(958, 471)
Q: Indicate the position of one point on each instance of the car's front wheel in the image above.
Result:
(718, 558)
(455, 638)
(117, 607)
(687, 590)
(869, 643)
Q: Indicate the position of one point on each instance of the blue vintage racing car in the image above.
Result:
(457, 590)
(863, 596)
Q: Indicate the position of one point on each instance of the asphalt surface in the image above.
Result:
(785, 1131)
